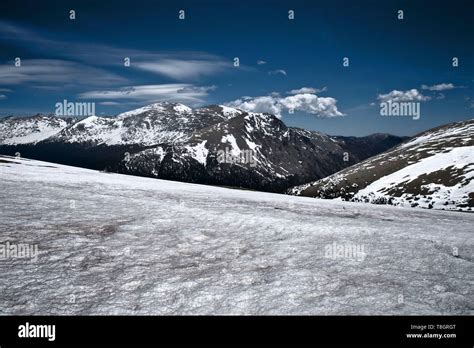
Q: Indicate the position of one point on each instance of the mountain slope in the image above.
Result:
(435, 169)
(153, 124)
(31, 130)
(209, 145)
(251, 150)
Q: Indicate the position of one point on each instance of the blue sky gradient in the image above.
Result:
(191, 60)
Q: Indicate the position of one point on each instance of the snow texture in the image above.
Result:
(117, 244)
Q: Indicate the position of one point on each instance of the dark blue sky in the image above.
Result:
(191, 60)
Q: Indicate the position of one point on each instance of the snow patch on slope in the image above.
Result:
(42, 133)
(17, 131)
(156, 107)
(181, 108)
(199, 152)
(228, 111)
(441, 195)
(230, 139)
(444, 134)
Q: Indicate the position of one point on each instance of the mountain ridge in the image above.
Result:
(201, 145)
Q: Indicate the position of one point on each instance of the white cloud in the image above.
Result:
(305, 102)
(439, 87)
(3, 96)
(258, 104)
(178, 92)
(312, 104)
(403, 96)
(276, 72)
(261, 62)
(307, 90)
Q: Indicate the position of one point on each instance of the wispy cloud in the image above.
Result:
(470, 102)
(79, 51)
(403, 96)
(183, 69)
(181, 66)
(439, 87)
(261, 62)
(47, 71)
(197, 89)
(86, 66)
(109, 103)
(3, 96)
(277, 72)
(178, 92)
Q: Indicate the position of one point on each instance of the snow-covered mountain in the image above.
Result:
(435, 169)
(30, 130)
(250, 150)
(148, 125)
(211, 145)
(153, 124)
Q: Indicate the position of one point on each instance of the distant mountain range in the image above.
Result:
(434, 169)
(209, 145)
